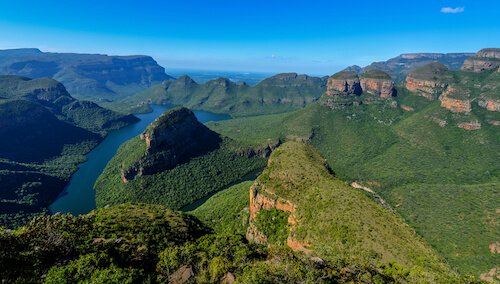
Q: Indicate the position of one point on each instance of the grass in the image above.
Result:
(471, 222)
(227, 211)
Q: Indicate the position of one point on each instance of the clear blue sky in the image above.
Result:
(316, 37)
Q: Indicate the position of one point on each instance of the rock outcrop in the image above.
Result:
(260, 199)
(489, 104)
(378, 83)
(456, 99)
(344, 83)
(428, 81)
(474, 125)
(173, 138)
(485, 59)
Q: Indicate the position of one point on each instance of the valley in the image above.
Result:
(263, 171)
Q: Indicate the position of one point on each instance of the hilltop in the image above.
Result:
(279, 93)
(89, 76)
(176, 161)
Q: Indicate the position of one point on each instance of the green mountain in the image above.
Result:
(176, 161)
(280, 93)
(44, 134)
(89, 76)
(432, 158)
(399, 66)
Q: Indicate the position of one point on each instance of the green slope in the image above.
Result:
(386, 149)
(227, 210)
(280, 93)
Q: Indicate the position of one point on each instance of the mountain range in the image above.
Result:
(383, 174)
(89, 76)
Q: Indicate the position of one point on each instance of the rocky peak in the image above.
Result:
(222, 82)
(173, 138)
(485, 59)
(377, 83)
(344, 83)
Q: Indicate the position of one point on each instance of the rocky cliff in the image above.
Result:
(428, 81)
(485, 59)
(344, 83)
(86, 75)
(173, 138)
(377, 83)
(456, 99)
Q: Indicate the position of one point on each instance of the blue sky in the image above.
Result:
(315, 37)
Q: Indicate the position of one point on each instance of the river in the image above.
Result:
(78, 197)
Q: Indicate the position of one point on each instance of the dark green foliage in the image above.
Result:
(44, 133)
(274, 224)
(150, 244)
(179, 186)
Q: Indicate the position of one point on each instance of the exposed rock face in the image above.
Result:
(261, 199)
(173, 138)
(428, 81)
(86, 75)
(490, 104)
(475, 125)
(378, 83)
(485, 59)
(375, 82)
(456, 105)
(344, 83)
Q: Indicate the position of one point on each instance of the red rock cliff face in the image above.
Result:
(264, 200)
(427, 89)
(378, 87)
(454, 104)
(343, 84)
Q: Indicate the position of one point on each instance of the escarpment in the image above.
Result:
(456, 99)
(173, 138)
(378, 83)
(428, 81)
(485, 59)
(343, 84)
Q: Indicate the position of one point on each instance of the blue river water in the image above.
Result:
(79, 196)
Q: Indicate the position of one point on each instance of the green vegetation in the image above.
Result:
(179, 186)
(375, 74)
(151, 244)
(274, 224)
(226, 211)
(95, 76)
(387, 149)
(46, 134)
(280, 93)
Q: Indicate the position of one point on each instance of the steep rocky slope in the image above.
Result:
(485, 59)
(428, 81)
(280, 93)
(93, 76)
(377, 83)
